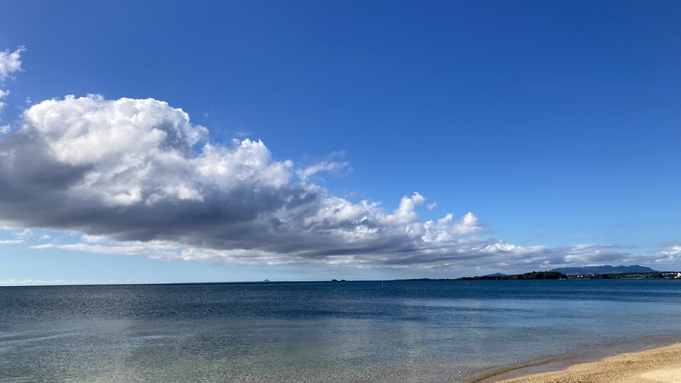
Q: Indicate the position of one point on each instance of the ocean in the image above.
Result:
(394, 331)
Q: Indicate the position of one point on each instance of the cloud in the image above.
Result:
(10, 62)
(324, 166)
(672, 249)
(671, 252)
(137, 177)
(93, 238)
(19, 236)
(11, 241)
(138, 171)
(431, 206)
(464, 253)
(3, 94)
(40, 282)
(24, 234)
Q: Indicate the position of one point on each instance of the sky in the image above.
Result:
(224, 141)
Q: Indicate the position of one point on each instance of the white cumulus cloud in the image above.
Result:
(139, 171)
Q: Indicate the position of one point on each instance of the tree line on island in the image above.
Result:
(529, 276)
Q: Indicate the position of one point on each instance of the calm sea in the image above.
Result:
(445, 331)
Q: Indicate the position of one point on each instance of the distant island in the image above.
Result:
(607, 269)
(525, 276)
(587, 272)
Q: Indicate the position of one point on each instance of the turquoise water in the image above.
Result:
(444, 331)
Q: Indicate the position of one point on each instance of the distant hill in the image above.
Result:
(530, 276)
(607, 269)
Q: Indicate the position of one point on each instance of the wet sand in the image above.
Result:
(659, 365)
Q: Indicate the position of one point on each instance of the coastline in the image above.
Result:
(658, 364)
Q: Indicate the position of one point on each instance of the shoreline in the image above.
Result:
(655, 360)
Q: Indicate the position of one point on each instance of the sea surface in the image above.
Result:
(396, 331)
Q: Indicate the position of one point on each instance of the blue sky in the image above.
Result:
(555, 124)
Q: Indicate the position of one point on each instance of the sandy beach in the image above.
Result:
(649, 366)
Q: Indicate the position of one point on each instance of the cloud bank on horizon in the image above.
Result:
(138, 177)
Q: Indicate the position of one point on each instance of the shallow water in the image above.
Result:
(440, 331)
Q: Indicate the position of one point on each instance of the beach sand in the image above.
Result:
(662, 365)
